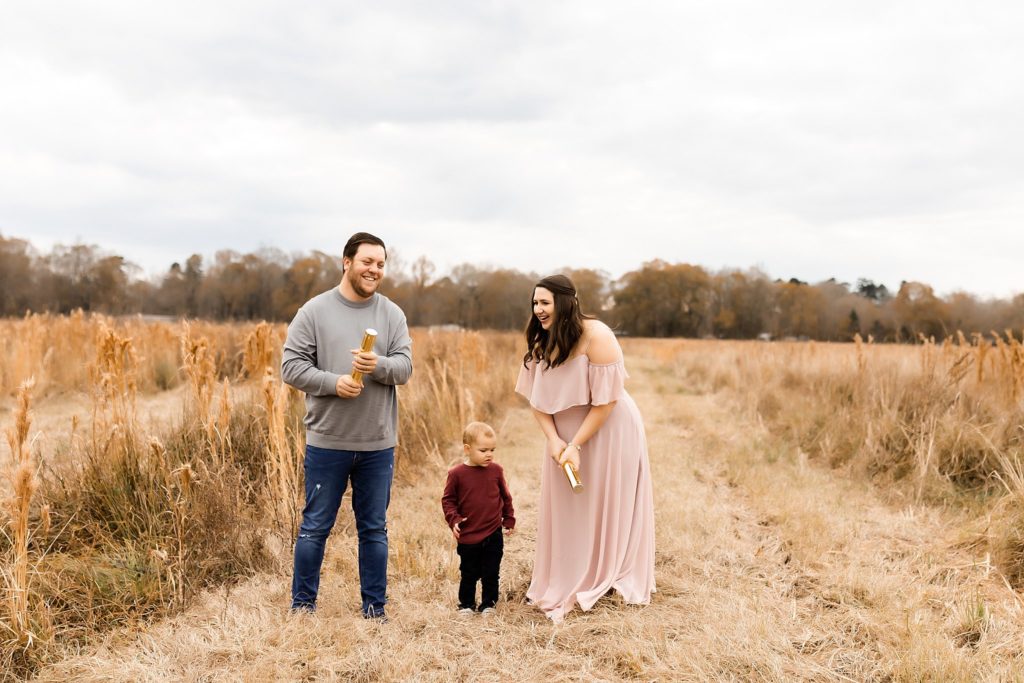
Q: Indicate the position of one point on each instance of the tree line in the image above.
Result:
(659, 299)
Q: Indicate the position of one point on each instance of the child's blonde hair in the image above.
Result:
(474, 430)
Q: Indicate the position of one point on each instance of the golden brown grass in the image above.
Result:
(916, 416)
(19, 632)
(283, 458)
(456, 380)
(140, 523)
(56, 350)
(824, 512)
(770, 567)
(143, 522)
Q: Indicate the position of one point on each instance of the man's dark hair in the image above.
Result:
(352, 246)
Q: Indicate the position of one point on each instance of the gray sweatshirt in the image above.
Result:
(319, 350)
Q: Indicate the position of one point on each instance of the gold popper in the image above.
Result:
(368, 338)
(573, 476)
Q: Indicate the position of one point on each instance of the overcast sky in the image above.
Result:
(810, 139)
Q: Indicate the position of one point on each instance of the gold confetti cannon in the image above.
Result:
(368, 338)
(573, 476)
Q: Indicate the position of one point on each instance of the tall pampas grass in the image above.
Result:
(200, 369)
(142, 522)
(55, 350)
(113, 375)
(283, 465)
(262, 350)
(24, 483)
(459, 377)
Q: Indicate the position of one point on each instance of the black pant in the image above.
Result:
(480, 562)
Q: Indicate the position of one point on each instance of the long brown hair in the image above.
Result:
(554, 346)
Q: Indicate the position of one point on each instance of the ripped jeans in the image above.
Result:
(327, 475)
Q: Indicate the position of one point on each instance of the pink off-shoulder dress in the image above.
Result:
(602, 538)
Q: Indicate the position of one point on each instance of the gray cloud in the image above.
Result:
(813, 139)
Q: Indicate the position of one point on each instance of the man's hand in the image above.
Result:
(348, 387)
(364, 361)
(509, 532)
(455, 528)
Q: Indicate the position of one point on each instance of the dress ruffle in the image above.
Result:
(551, 390)
(607, 382)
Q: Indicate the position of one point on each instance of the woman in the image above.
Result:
(602, 538)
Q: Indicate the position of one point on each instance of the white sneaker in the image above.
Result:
(466, 612)
(487, 610)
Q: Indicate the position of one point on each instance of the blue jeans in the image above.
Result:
(327, 474)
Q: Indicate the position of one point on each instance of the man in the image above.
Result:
(351, 426)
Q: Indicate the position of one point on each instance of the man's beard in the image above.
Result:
(360, 286)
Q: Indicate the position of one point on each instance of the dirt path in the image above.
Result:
(768, 568)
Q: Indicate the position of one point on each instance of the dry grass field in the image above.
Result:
(824, 513)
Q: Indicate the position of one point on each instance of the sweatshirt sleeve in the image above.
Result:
(298, 359)
(449, 500)
(395, 367)
(508, 514)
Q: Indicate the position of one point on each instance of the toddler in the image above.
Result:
(477, 506)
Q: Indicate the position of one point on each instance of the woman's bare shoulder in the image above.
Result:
(593, 326)
(602, 346)
(594, 329)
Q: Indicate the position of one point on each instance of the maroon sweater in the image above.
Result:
(481, 495)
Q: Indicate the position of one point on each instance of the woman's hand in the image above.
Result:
(555, 448)
(571, 454)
